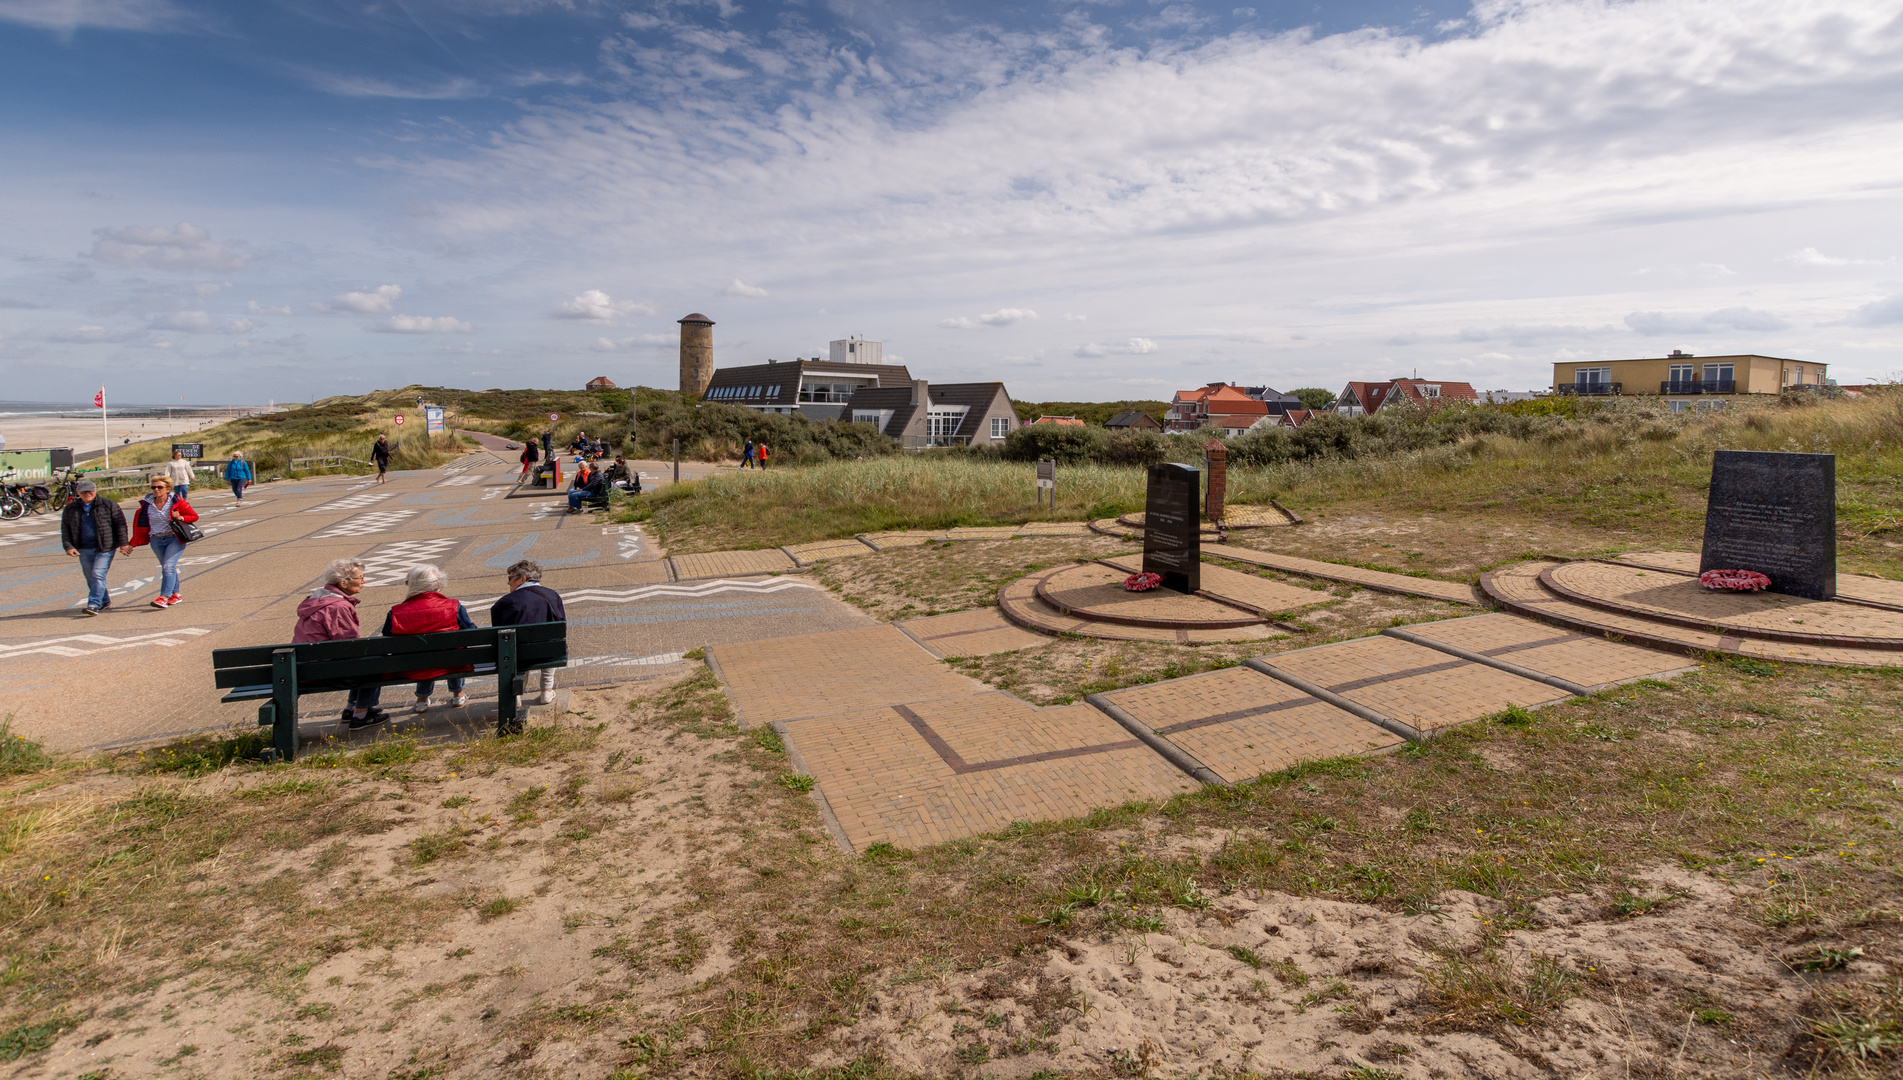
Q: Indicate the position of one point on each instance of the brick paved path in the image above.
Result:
(1019, 602)
(1372, 579)
(1678, 598)
(1248, 591)
(1863, 588)
(1589, 660)
(1422, 689)
(978, 632)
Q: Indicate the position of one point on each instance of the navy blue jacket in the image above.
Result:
(532, 603)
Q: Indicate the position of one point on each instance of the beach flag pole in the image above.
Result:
(105, 432)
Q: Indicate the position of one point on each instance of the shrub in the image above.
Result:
(1064, 445)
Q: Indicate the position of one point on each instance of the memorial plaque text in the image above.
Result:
(1172, 536)
(1776, 514)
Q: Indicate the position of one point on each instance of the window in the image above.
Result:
(1592, 376)
(1430, 391)
(1680, 406)
(1000, 426)
(865, 418)
(1719, 372)
(1681, 373)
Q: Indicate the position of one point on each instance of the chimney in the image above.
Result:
(921, 393)
(697, 353)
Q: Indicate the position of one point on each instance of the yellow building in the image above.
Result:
(1686, 380)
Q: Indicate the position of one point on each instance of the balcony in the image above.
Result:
(824, 397)
(1597, 389)
(1699, 386)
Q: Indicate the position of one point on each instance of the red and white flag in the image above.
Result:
(99, 399)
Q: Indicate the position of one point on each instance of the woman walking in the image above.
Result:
(427, 611)
(179, 471)
(152, 525)
(238, 474)
(380, 453)
(760, 453)
(529, 458)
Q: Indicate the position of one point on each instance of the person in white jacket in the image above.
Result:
(179, 472)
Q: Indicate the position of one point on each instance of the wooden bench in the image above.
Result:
(278, 674)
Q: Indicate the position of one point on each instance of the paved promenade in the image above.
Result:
(139, 672)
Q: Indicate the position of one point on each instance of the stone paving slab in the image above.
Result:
(985, 532)
(1054, 528)
(886, 541)
(940, 770)
(731, 563)
(1863, 588)
(1019, 602)
(1422, 688)
(839, 671)
(978, 632)
(1433, 588)
(1677, 598)
(1243, 724)
(808, 554)
(1584, 658)
(1246, 590)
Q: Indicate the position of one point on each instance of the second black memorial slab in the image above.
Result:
(1776, 514)
(1172, 532)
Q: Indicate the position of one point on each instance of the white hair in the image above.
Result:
(342, 570)
(424, 578)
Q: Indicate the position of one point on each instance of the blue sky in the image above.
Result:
(228, 202)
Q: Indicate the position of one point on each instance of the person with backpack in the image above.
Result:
(380, 453)
(93, 527)
(238, 474)
(760, 453)
(153, 526)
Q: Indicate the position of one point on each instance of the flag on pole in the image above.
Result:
(99, 399)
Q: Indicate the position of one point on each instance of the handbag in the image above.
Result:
(186, 531)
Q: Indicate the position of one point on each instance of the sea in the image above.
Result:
(80, 410)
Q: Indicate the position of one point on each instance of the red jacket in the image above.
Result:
(428, 613)
(142, 533)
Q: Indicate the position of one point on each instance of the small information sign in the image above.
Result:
(433, 419)
(190, 451)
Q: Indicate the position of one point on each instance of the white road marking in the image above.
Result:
(59, 647)
(390, 563)
(459, 481)
(353, 502)
(630, 543)
(366, 524)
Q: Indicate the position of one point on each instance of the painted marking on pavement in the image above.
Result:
(10, 539)
(625, 660)
(521, 548)
(367, 524)
(647, 592)
(390, 563)
(74, 645)
(630, 543)
(206, 560)
(353, 502)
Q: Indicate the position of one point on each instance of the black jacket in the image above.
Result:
(597, 483)
(529, 604)
(108, 521)
(380, 452)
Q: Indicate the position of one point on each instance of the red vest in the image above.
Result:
(427, 613)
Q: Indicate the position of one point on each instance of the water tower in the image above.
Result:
(697, 353)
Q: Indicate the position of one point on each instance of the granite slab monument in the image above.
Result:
(1775, 514)
(1172, 533)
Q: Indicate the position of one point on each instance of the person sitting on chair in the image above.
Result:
(621, 476)
(590, 483)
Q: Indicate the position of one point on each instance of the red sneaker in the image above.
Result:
(173, 600)
(161, 601)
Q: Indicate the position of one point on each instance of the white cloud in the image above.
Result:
(1527, 335)
(200, 322)
(365, 86)
(1659, 323)
(364, 301)
(1136, 346)
(256, 308)
(204, 290)
(420, 324)
(1000, 317)
(736, 287)
(69, 15)
(1810, 256)
(597, 306)
(639, 341)
(187, 247)
(1076, 318)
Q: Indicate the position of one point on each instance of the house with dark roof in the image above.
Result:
(1133, 421)
(921, 414)
(1215, 405)
(816, 389)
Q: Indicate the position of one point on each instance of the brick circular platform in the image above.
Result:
(1233, 517)
(1018, 601)
(1680, 601)
(1095, 592)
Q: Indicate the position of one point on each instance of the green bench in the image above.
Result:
(278, 674)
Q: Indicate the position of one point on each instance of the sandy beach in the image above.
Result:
(83, 435)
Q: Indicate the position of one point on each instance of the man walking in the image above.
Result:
(529, 601)
(179, 472)
(746, 455)
(380, 454)
(530, 455)
(92, 529)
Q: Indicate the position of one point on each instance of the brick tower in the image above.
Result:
(697, 353)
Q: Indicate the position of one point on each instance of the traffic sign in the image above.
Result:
(552, 417)
(399, 419)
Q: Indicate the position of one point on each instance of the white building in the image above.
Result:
(855, 350)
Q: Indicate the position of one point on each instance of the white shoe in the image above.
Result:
(546, 697)
(422, 705)
(461, 699)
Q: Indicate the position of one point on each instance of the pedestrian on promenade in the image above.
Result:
(330, 614)
(548, 444)
(152, 525)
(427, 611)
(179, 471)
(238, 474)
(590, 483)
(529, 458)
(746, 455)
(530, 601)
(92, 527)
(380, 454)
(760, 452)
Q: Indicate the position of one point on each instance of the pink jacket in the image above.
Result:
(326, 615)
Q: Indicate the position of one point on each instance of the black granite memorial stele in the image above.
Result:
(1172, 534)
(1776, 514)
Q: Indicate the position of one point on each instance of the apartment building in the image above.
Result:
(1688, 381)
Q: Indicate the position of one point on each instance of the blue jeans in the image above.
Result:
(424, 688)
(94, 564)
(168, 548)
(237, 488)
(182, 490)
(366, 697)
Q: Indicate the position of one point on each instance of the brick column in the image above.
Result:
(1216, 459)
